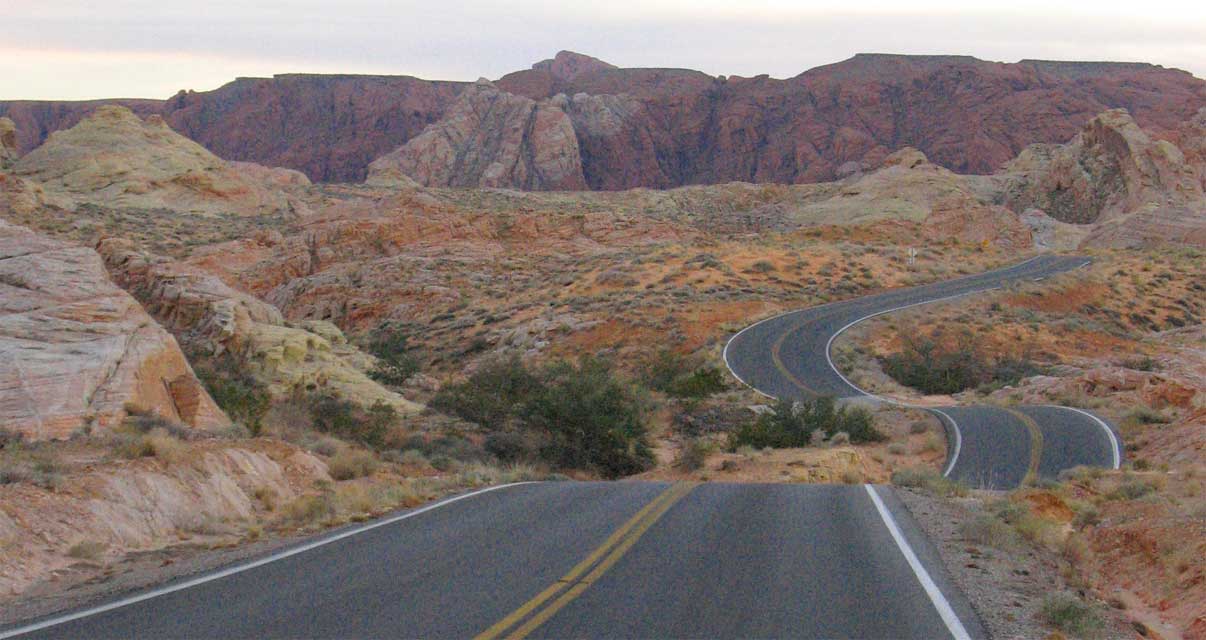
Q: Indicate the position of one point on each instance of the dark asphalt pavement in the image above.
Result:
(724, 561)
(787, 356)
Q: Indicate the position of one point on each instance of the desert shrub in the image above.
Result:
(1072, 615)
(700, 383)
(30, 465)
(87, 549)
(348, 420)
(592, 419)
(694, 454)
(241, 396)
(985, 529)
(307, 510)
(349, 464)
(929, 480)
(680, 376)
(918, 427)
(1132, 490)
(933, 365)
(575, 415)
(512, 446)
(447, 447)
(792, 424)
(395, 361)
(491, 395)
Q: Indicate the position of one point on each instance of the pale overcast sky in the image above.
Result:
(74, 49)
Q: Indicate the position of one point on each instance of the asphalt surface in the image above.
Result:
(722, 561)
(787, 356)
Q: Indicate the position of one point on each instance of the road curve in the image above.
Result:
(578, 559)
(787, 356)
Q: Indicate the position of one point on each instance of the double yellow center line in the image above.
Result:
(1036, 444)
(571, 585)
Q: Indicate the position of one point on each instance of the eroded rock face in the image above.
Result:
(8, 143)
(212, 318)
(78, 351)
(115, 159)
(1135, 189)
(490, 138)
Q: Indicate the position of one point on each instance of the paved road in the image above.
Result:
(567, 559)
(788, 356)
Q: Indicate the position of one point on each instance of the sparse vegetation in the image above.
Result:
(350, 463)
(395, 361)
(241, 396)
(942, 364)
(1072, 615)
(929, 480)
(580, 416)
(793, 424)
(681, 376)
(348, 420)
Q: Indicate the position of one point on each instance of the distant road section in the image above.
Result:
(787, 356)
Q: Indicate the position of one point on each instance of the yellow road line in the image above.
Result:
(548, 612)
(639, 522)
(778, 360)
(1036, 444)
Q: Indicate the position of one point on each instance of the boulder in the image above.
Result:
(78, 352)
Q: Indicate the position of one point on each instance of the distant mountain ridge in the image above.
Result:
(671, 127)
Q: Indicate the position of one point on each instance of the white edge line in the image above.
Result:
(1114, 448)
(117, 604)
(945, 611)
(950, 465)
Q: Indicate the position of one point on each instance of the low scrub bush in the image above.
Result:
(349, 464)
(1072, 615)
(929, 480)
(349, 420)
(793, 424)
(932, 364)
(579, 416)
(491, 395)
(241, 396)
(681, 376)
(694, 454)
(395, 361)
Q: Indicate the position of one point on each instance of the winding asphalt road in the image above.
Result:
(631, 559)
(787, 356)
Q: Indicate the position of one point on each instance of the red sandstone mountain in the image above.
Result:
(669, 127)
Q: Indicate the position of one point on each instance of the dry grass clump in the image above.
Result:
(87, 550)
(928, 480)
(349, 463)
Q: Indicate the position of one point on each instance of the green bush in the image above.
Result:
(1072, 615)
(242, 397)
(491, 395)
(578, 416)
(931, 365)
(395, 362)
(592, 419)
(694, 454)
(348, 420)
(681, 376)
(792, 424)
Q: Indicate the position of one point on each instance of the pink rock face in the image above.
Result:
(684, 127)
(491, 138)
(78, 351)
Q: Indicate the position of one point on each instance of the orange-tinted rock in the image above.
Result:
(78, 350)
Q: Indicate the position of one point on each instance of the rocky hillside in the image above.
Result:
(115, 158)
(8, 143)
(671, 127)
(79, 353)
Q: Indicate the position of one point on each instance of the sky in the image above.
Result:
(71, 49)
